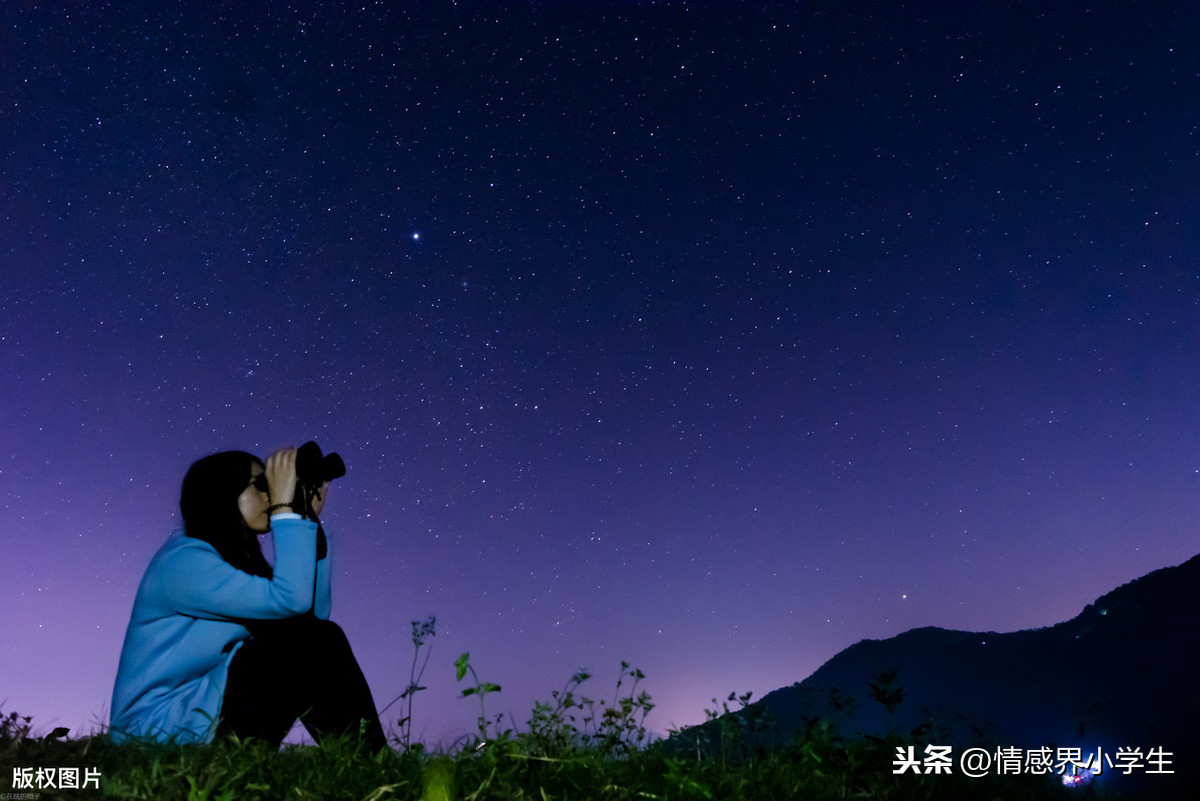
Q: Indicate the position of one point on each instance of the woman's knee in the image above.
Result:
(299, 635)
(327, 633)
(323, 637)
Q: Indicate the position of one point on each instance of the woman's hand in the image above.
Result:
(281, 476)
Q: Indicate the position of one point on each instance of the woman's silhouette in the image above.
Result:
(219, 641)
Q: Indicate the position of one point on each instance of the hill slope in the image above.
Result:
(1121, 673)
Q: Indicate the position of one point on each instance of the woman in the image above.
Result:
(219, 641)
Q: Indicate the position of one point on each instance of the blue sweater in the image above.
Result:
(184, 628)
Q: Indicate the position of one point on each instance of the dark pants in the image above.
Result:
(298, 668)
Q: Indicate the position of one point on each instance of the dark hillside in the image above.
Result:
(1123, 673)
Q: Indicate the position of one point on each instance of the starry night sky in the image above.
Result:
(710, 337)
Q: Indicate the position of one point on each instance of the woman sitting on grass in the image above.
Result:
(220, 642)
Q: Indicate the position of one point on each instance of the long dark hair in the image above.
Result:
(209, 503)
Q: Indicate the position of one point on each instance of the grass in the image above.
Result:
(553, 759)
(572, 747)
(816, 767)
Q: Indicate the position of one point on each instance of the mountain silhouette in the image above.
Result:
(1122, 673)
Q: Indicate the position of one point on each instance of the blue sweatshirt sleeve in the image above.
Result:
(196, 581)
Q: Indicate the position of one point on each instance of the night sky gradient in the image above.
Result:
(710, 337)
